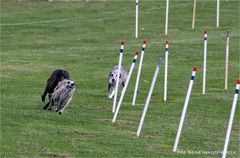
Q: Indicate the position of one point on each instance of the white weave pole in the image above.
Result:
(231, 119)
(165, 72)
(136, 22)
(184, 109)
(139, 73)
(204, 63)
(226, 62)
(118, 74)
(217, 21)
(149, 96)
(166, 22)
(125, 87)
(194, 14)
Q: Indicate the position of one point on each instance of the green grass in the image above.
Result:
(84, 38)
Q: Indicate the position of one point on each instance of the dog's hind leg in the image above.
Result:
(49, 108)
(50, 105)
(46, 106)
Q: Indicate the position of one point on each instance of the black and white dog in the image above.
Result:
(62, 96)
(112, 79)
(57, 76)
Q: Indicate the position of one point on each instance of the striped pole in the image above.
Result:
(166, 72)
(217, 21)
(166, 22)
(118, 74)
(139, 72)
(204, 63)
(231, 119)
(184, 109)
(125, 87)
(226, 62)
(149, 96)
(136, 23)
(194, 13)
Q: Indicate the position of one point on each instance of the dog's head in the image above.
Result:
(69, 84)
(61, 75)
(112, 78)
(65, 85)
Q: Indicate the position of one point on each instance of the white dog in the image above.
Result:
(62, 96)
(112, 78)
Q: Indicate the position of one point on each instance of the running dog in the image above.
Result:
(61, 96)
(112, 79)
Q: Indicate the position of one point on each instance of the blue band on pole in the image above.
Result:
(121, 50)
(143, 48)
(166, 49)
(192, 78)
(205, 38)
(134, 60)
(236, 91)
(136, 3)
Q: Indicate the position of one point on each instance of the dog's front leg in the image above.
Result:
(44, 94)
(66, 104)
(123, 84)
(109, 87)
(46, 106)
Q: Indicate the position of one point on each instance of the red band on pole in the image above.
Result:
(205, 32)
(137, 52)
(195, 68)
(238, 81)
(166, 41)
(122, 42)
(145, 42)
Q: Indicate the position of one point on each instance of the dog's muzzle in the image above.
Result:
(70, 87)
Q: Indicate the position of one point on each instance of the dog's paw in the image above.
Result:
(111, 95)
(43, 98)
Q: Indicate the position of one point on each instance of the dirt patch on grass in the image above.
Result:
(46, 152)
(79, 133)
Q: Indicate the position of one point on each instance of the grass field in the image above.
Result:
(84, 38)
